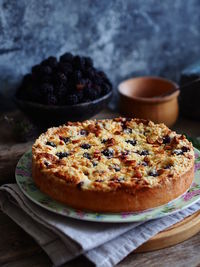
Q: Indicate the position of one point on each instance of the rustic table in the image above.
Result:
(18, 249)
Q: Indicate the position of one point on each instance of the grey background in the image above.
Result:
(124, 37)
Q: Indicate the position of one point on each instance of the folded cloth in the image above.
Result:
(64, 239)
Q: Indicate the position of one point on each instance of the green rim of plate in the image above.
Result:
(28, 187)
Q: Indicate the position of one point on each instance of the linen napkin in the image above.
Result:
(64, 239)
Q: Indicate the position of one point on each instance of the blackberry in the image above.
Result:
(87, 155)
(108, 153)
(98, 79)
(40, 70)
(80, 96)
(117, 168)
(76, 62)
(61, 93)
(168, 166)
(98, 89)
(60, 89)
(91, 73)
(46, 164)
(80, 86)
(125, 153)
(84, 132)
(46, 79)
(79, 185)
(107, 81)
(62, 155)
(27, 79)
(71, 80)
(185, 149)
(82, 63)
(46, 88)
(72, 99)
(178, 152)
(90, 93)
(67, 57)
(45, 70)
(60, 78)
(65, 67)
(87, 83)
(144, 163)
(88, 62)
(99, 180)
(50, 61)
(143, 153)
(153, 173)
(78, 75)
(128, 130)
(85, 146)
(106, 89)
(51, 99)
(132, 142)
(65, 139)
(166, 139)
(102, 74)
(120, 179)
(71, 87)
(48, 143)
(36, 69)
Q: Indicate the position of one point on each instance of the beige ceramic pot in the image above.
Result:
(150, 98)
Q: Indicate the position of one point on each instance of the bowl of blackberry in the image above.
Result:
(56, 91)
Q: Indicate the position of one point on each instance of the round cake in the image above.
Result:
(113, 165)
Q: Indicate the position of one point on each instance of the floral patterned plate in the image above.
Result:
(28, 187)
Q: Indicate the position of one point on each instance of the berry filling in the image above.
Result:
(62, 155)
(108, 153)
(65, 139)
(132, 142)
(83, 132)
(166, 139)
(143, 153)
(48, 143)
(85, 146)
(153, 173)
(87, 155)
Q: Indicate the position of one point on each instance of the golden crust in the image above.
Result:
(149, 164)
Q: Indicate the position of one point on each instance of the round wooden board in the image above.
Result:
(175, 234)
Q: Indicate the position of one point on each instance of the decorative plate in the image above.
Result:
(28, 187)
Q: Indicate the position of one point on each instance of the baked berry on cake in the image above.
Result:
(113, 165)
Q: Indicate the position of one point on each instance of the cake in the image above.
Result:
(113, 165)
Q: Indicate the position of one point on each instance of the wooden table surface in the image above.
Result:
(18, 249)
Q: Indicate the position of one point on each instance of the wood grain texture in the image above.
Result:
(175, 234)
(185, 254)
(17, 249)
(14, 243)
(9, 156)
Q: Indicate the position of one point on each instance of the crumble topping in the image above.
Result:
(112, 153)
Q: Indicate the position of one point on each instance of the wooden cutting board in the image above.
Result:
(175, 234)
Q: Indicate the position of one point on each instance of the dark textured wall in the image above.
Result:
(124, 37)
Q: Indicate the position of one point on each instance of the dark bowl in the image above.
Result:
(44, 116)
